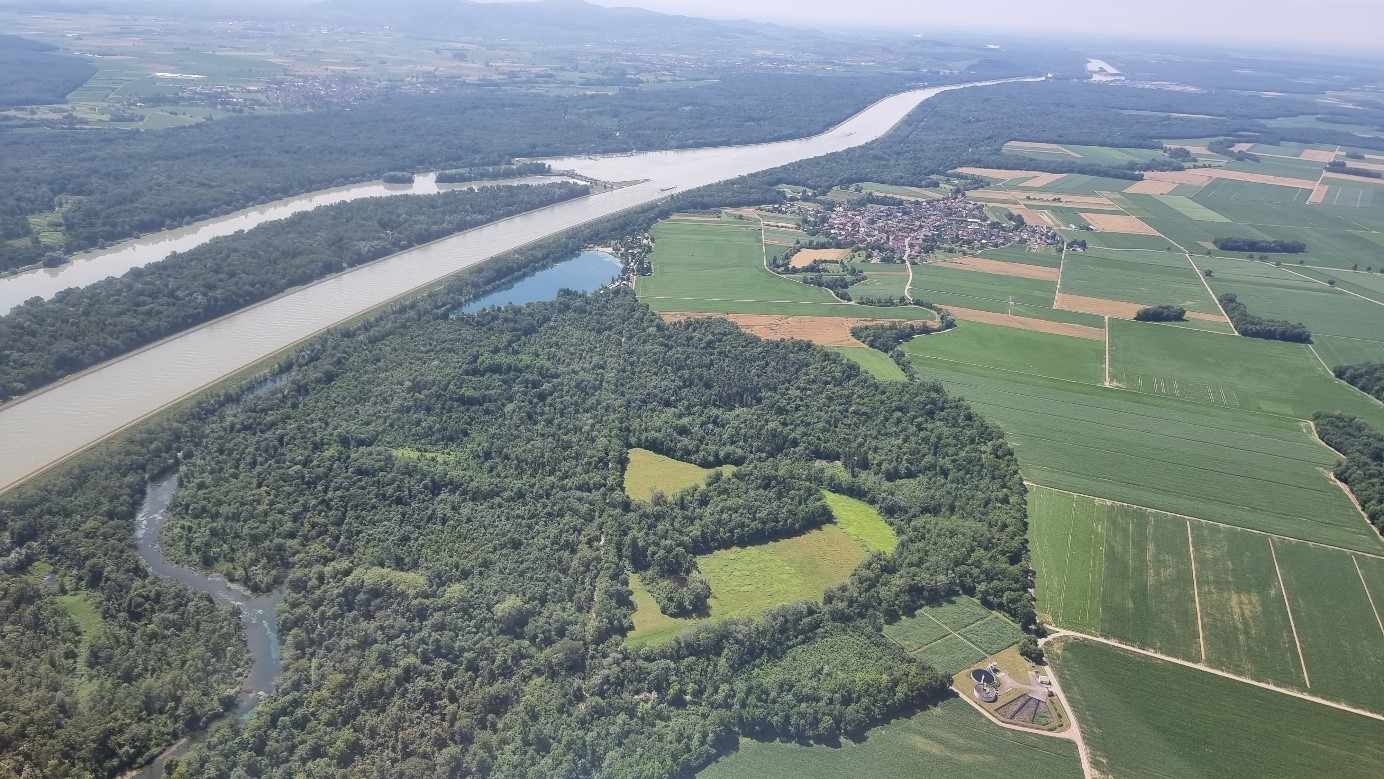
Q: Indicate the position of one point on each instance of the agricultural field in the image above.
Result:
(1149, 278)
(954, 635)
(649, 472)
(1009, 349)
(1270, 377)
(1233, 599)
(875, 362)
(1148, 719)
(746, 581)
(947, 740)
(710, 265)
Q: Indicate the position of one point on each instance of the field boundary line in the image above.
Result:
(1289, 539)
(1291, 622)
(1196, 590)
(1366, 585)
(1324, 284)
(1190, 261)
(1057, 633)
(1107, 351)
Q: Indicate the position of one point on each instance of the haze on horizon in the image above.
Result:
(1323, 25)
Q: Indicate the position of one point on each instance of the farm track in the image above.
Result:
(1333, 547)
(1057, 633)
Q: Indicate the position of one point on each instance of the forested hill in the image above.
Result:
(120, 184)
(443, 500)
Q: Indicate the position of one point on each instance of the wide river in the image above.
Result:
(91, 267)
(47, 427)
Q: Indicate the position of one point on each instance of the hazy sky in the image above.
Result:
(1355, 24)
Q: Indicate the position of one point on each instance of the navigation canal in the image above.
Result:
(49, 426)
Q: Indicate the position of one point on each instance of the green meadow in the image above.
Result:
(649, 472)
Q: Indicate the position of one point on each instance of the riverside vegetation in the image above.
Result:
(45, 340)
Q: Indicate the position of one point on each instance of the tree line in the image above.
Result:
(1363, 467)
(1253, 326)
(1367, 377)
(45, 340)
(1259, 245)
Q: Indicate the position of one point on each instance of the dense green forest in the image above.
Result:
(1368, 377)
(484, 585)
(1363, 468)
(31, 73)
(106, 665)
(126, 183)
(45, 340)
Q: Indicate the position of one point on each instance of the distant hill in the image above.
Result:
(558, 21)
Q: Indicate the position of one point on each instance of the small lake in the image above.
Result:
(587, 272)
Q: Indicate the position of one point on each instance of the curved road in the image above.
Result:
(45, 428)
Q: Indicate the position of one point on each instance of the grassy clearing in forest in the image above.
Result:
(875, 362)
(1147, 719)
(649, 472)
(746, 581)
(950, 739)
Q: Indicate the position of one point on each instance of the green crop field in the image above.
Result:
(862, 522)
(880, 285)
(954, 635)
(1150, 278)
(992, 634)
(951, 655)
(1251, 470)
(1251, 374)
(959, 288)
(1289, 294)
(1148, 719)
(649, 472)
(876, 362)
(1009, 349)
(1114, 570)
(1190, 208)
(1154, 243)
(1342, 639)
(947, 740)
(1246, 618)
(719, 263)
(1047, 257)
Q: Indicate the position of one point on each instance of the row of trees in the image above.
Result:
(1161, 314)
(1367, 377)
(1253, 326)
(45, 340)
(1270, 246)
(1363, 468)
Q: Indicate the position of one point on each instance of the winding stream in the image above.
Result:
(256, 611)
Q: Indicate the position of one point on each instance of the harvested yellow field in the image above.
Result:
(1119, 309)
(821, 330)
(1203, 176)
(1317, 155)
(1005, 268)
(1318, 195)
(1242, 147)
(1151, 187)
(1026, 323)
(1035, 178)
(1119, 223)
(806, 257)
